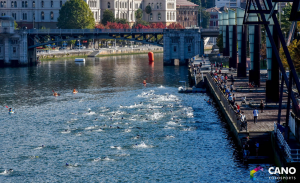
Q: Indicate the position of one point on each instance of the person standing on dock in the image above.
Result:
(261, 106)
(255, 114)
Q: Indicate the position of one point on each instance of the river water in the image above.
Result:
(115, 128)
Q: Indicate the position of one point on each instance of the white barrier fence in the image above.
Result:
(292, 154)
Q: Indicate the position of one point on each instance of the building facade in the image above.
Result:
(13, 46)
(187, 13)
(214, 13)
(44, 13)
(228, 3)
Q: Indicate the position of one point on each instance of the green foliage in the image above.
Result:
(148, 9)
(139, 14)
(220, 42)
(205, 16)
(15, 25)
(142, 22)
(294, 49)
(285, 16)
(75, 14)
(121, 20)
(108, 16)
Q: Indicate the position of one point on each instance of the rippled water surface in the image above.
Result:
(115, 128)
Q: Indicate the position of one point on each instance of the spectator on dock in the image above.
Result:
(261, 106)
(255, 114)
(231, 88)
(220, 71)
(232, 80)
(246, 150)
(233, 97)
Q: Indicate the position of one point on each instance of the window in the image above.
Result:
(132, 17)
(96, 16)
(157, 6)
(168, 16)
(174, 48)
(151, 16)
(42, 4)
(51, 4)
(14, 50)
(125, 5)
(130, 5)
(136, 6)
(15, 4)
(141, 6)
(108, 5)
(189, 48)
(24, 16)
(170, 5)
(23, 4)
(33, 16)
(120, 5)
(26, 4)
(116, 4)
(12, 4)
(158, 16)
(33, 4)
(152, 6)
(14, 15)
(4, 4)
(160, 5)
(51, 15)
(60, 3)
(1, 5)
(173, 16)
(42, 15)
(2, 14)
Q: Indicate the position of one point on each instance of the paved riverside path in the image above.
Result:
(269, 116)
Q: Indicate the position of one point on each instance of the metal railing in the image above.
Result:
(292, 154)
(209, 30)
(89, 31)
(226, 105)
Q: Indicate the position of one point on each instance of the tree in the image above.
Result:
(75, 14)
(220, 42)
(121, 20)
(108, 16)
(139, 14)
(148, 10)
(175, 26)
(294, 49)
(285, 16)
(205, 17)
(15, 25)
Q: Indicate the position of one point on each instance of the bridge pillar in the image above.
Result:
(201, 46)
(254, 73)
(242, 66)
(182, 46)
(6, 51)
(32, 56)
(226, 49)
(167, 51)
(272, 84)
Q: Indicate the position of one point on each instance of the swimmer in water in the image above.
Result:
(67, 164)
(43, 146)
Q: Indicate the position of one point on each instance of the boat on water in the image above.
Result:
(79, 59)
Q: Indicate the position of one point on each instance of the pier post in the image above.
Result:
(233, 47)
(272, 84)
(254, 73)
(242, 66)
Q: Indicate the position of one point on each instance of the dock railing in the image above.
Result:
(226, 105)
(292, 154)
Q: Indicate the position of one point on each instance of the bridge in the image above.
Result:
(182, 44)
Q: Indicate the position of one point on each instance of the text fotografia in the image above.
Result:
(281, 171)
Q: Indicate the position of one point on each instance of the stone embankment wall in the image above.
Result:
(56, 54)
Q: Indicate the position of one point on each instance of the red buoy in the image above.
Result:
(151, 57)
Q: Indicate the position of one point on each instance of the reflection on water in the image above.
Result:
(115, 128)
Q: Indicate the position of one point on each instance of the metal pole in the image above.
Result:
(286, 133)
(280, 100)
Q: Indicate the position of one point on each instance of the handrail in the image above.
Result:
(293, 157)
(227, 106)
(87, 31)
